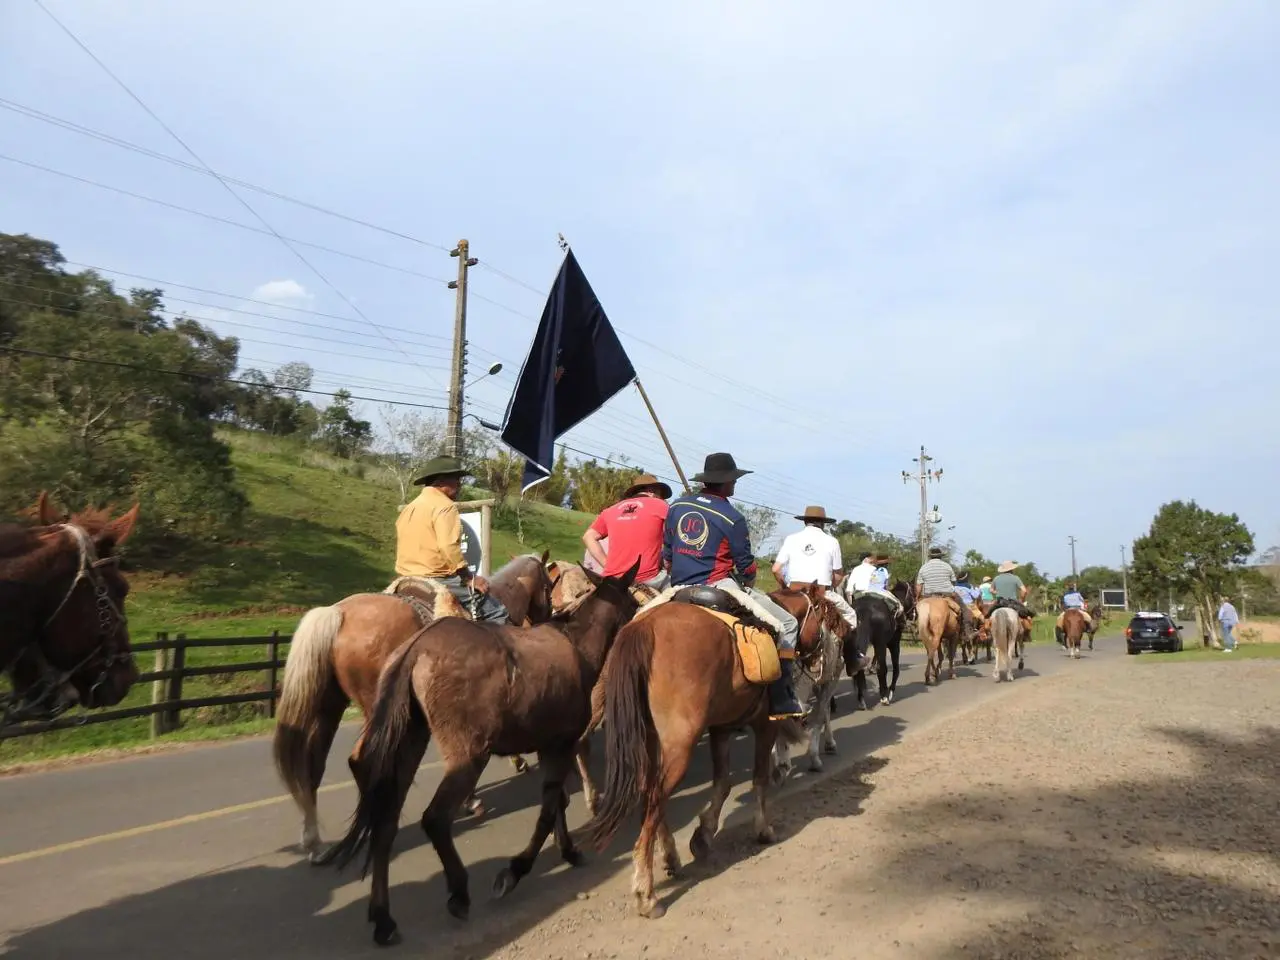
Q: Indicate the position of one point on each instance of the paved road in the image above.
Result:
(191, 853)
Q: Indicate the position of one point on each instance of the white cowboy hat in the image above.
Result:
(1008, 566)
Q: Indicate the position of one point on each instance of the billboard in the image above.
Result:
(1115, 598)
(472, 547)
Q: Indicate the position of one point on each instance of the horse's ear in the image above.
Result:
(628, 578)
(594, 577)
(44, 511)
(118, 530)
(546, 556)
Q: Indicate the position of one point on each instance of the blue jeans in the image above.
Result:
(488, 608)
(1229, 636)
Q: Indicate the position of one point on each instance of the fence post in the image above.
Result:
(178, 663)
(273, 654)
(486, 539)
(158, 687)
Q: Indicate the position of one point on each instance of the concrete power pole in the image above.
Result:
(1124, 574)
(923, 477)
(453, 437)
(1072, 541)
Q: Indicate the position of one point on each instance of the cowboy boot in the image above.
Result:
(783, 704)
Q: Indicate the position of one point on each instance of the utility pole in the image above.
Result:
(453, 437)
(1072, 541)
(923, 477)
(1124, 573)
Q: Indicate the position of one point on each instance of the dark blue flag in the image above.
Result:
(575, 365)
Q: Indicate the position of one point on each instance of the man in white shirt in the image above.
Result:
(871, 576)
(811, 555)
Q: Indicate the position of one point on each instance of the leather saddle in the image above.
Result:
(711, 597)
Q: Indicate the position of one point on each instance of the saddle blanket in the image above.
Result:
(756, 649)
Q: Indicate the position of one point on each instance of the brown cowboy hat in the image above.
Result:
(719, 468)
(815, 513)
(880, 559)
(647, 481)
(1008, 566)
(441, 467)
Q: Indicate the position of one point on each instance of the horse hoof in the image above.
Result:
(699, 845)
(503, 884)
(574, 858)
(829, 749)
(884, 701)
(385, 932)
(520, 764)
(458, 908)
(653, 911)
(815, 765)
(673, 870)
(767, 836)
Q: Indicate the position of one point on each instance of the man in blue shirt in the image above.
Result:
(1228, 619)
(706, 542)
(1073, 599)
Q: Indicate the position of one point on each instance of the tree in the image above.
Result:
(762, 524)
(340, 432)
(1191, 552)
(293, 377)
(409, 440)
(555, 488)
(594, 486)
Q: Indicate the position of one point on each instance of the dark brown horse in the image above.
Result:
(480, 690)
(674, 673)
(338, 652)
(64, 638)
(1073, 630)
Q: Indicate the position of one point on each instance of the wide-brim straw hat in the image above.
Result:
(815, 513)
(1008, 566)
(440, 467)
(719, 468)
(647, 481)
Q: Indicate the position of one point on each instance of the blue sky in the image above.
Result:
(1038, 238)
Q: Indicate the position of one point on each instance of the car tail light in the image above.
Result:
(1171, 632)
(1128, 632)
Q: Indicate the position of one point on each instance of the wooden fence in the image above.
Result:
(167, 678)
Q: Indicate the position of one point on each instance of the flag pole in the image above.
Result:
(662, 433)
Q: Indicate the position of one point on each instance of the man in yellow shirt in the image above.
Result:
(429, 540)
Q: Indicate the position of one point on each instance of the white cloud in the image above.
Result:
(286, 293)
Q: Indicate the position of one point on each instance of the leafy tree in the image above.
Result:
(594, 485)
(293, 377)
(409, 440)
(341, 433)
(1191, 552)
(555, 488)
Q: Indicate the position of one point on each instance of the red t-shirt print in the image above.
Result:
(634, 528)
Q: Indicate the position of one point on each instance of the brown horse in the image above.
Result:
(338, 652)
(938, 620)
(1073, 629)
(64, 638)
(480, 690)
(674, 673)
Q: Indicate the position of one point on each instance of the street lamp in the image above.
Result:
(494, 368)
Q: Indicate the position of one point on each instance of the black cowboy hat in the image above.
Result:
(647, 481)
(441, 467)
(962, 575)
(936, 553)
(815, 513)
(719, 468)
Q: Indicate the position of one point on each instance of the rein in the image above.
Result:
(15, 707)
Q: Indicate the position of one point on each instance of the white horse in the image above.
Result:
(1004, 634)
(816, 679)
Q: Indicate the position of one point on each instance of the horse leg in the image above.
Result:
(895, 651)
(456, 786)
(675, 763)
(383, 835)
(860, 690)
(670, 855)
(766, 733)
(781, 764)
(582, 756)
(555, 770)
(319, 743)
(829, 738)
(709, 819)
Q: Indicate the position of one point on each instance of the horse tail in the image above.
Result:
(309, 681)
(630, 735)
(389, 725)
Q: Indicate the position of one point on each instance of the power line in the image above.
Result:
(227, 221)
(200, 160)
(97, 361)
(33, 114)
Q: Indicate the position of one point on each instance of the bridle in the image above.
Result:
(15, 707)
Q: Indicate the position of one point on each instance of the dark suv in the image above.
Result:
(1152, 631)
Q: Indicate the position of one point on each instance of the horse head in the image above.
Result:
(83, 633)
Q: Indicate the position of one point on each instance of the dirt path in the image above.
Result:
(1132, 814)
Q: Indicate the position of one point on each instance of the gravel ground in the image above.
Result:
(1127, 812)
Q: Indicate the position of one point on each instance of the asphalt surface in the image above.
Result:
(192, 853)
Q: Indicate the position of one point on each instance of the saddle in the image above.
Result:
(756, 644)
(426, 597)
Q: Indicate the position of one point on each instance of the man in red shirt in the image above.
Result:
(633, 527)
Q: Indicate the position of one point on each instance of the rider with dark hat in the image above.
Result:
(706, 542)
(429, 540)
(633, 526)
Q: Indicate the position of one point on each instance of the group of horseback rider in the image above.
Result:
(699, 539)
